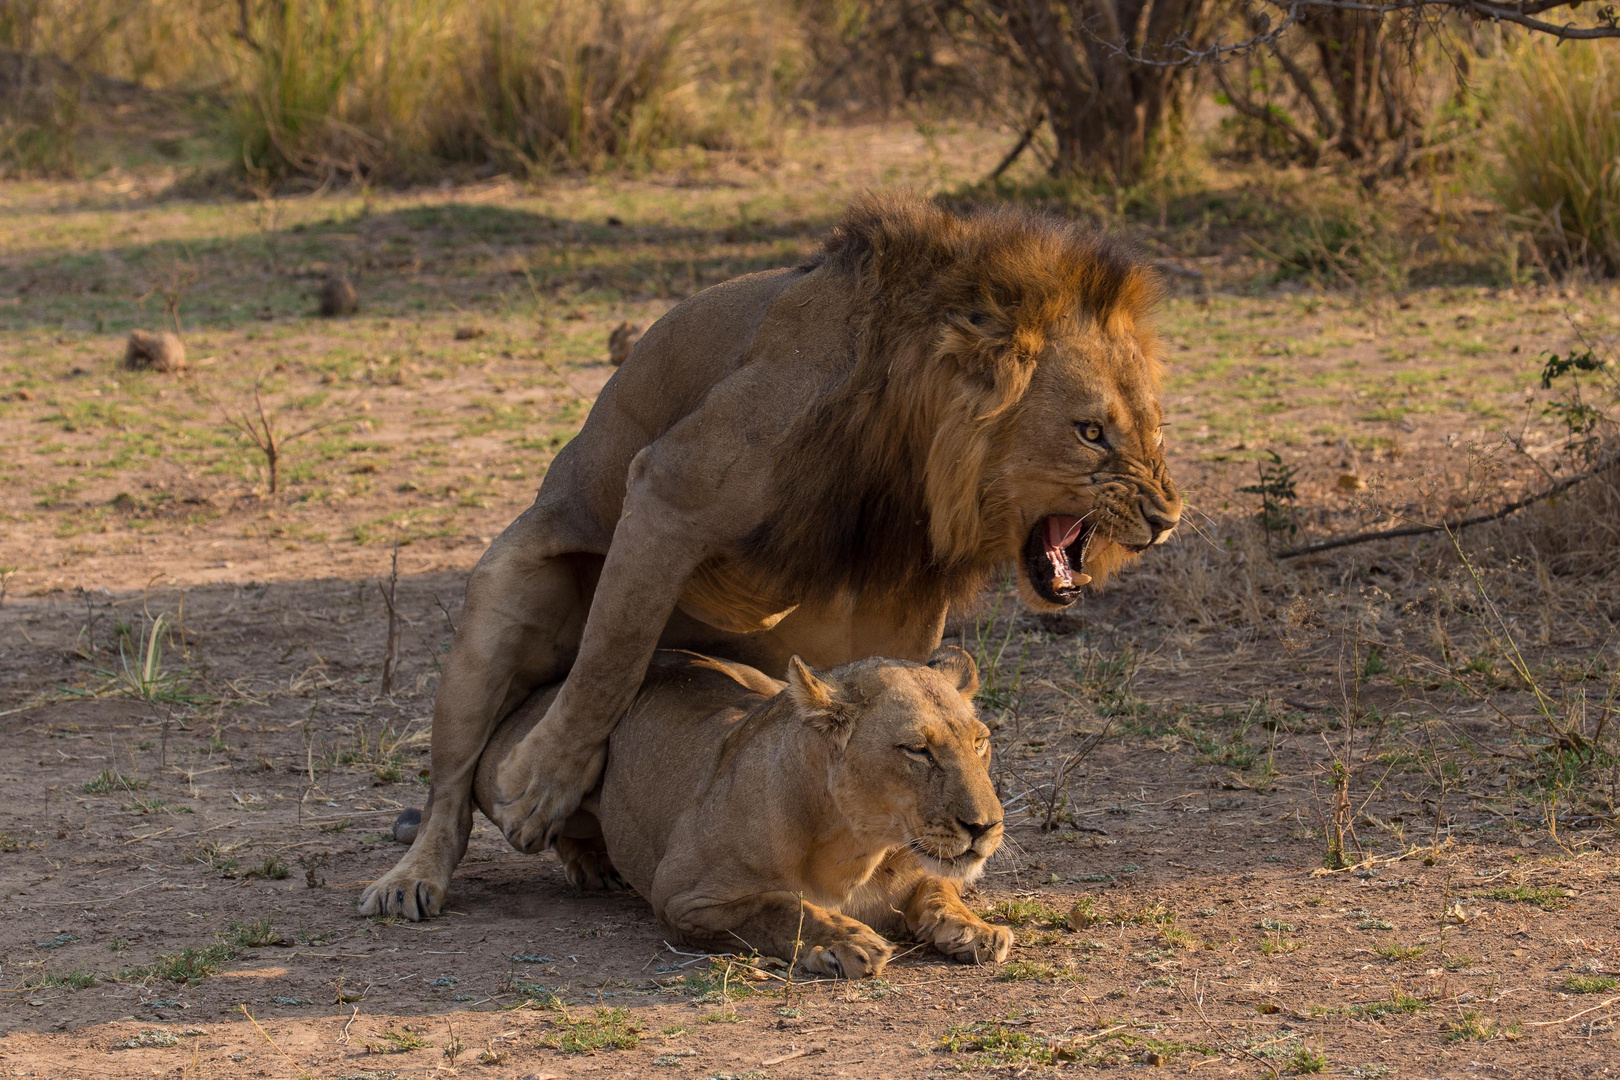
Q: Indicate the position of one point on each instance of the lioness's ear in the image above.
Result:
(956, 664)
(817, 700)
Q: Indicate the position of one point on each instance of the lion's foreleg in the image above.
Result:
(784, 925)
(660, 539)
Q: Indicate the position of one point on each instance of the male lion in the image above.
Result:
(796, 819)
(814, 461)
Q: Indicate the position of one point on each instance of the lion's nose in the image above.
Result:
(1159, 523)
(976, 829)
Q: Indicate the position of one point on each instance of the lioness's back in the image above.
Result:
(664, 753)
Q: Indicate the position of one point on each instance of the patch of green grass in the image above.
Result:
(77, 979)
(1589, 984)
(1029, 911)
(398, 1042)
(544, 997)
(216, 858)
(1174, 938)
(605, 1029)
(1547, 898)
(1084, 914)
(997, 1046)
(1019, 970)
(1396, 951)
(1306, 1061)
(107, 782)
(1235, 754)
(255, 935)
(191, 965)
(272, 869)
(1157, 913)
(1470, 1026)
(1398, 1004)
(717, 981)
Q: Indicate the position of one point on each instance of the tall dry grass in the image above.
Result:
(549, 83)
(395, 89)
(398, 89)
(1558, 136)
(59, 59)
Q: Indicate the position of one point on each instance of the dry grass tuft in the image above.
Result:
(1559, 141)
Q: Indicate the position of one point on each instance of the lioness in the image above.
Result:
(814, 461)
(796, 819)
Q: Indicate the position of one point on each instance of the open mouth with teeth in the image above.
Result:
(1055, 555)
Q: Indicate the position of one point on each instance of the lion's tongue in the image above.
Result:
(1060, 533)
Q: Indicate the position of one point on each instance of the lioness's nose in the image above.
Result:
(976, 829)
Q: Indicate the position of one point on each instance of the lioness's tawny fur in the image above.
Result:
(798, 819)
(814, 461)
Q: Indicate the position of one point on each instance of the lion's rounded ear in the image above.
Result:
(957, 665)
(817, 700)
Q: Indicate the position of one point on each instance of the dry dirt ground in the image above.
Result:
(204, 761)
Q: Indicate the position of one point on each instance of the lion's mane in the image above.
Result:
(882, 480)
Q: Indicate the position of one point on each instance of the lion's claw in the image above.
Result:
(974, 942)
(855, 957)
(411, 898)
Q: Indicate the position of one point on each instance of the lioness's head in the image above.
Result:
(911, 758)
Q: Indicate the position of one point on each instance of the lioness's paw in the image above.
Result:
(860, 954)
(402, 893)
(536, 789)
(969, 940)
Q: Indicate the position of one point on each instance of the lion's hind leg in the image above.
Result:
(587, 866)
(584, 855)
(525, 611)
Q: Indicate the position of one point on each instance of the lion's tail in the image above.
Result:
(406, 824)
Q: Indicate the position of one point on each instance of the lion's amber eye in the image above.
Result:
(1091, 433)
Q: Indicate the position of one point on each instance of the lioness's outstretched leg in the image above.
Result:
(521, 626)
(904, 897)
(784, 925)
(935, 913)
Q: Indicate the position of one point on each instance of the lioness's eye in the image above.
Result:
(1091, 433)
(918, 753)
(981, 746)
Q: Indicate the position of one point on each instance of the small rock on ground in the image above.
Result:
(337, 297)
(161, 351)
(621, 341)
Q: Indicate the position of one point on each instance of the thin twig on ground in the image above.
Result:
(1565, 484)
(391, 650)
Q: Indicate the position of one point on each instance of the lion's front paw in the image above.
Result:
(853, 956)
(539, 785)
(403, 892)
(968, 939)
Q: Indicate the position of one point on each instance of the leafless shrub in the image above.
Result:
(260, 427)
